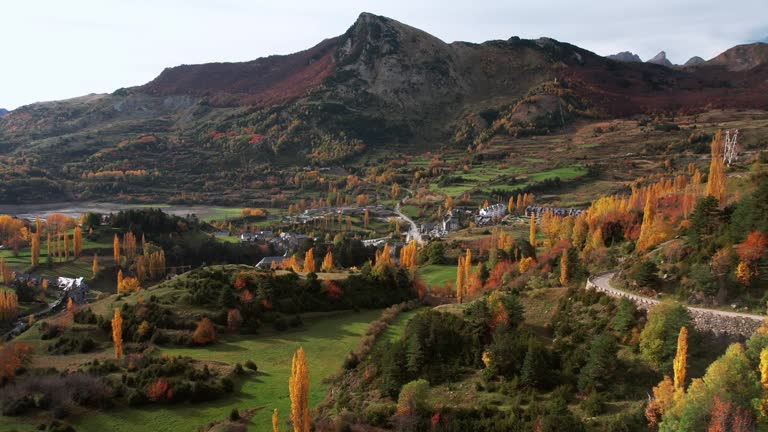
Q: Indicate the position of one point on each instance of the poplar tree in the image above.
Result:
(679, 363)
(117, 333)
(298, 386)
(116, 250)
(532, 233)
(309, 261)
(716, 177)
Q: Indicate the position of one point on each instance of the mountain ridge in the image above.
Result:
(381, 84)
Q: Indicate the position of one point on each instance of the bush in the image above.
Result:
(594, 404)
(234, 415)
(378, 414)
(250, 364)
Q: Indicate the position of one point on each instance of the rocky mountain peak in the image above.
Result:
(625, 56)
(661, 59)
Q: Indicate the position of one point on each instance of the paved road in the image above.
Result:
(413, 232)
(602, 281)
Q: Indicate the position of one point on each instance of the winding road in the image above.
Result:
(602, 282)
(413, 232)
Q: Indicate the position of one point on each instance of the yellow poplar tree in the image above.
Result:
(298, 386)
(275, 424)
(646, 229)
(95, 266)
(119, 280)
(117, 333)
(460, 280)
(679, 363)
(35, 249)
(309, 261)
(764, 382)
(532, 233)
(116, 250)
(327, 264)
(716, 177)
(77, 241)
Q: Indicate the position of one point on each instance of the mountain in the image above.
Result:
(625, 56)
(225, 132)
(3, 112)
(742, 57)
(695, 61)
(661, 59)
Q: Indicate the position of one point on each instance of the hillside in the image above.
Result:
(381, 85)
(3, 112)
(743, 57)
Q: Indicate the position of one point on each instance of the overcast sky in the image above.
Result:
(56, 49)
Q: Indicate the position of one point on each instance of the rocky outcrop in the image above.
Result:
(626, 57)
(731, 324)
(661, 59)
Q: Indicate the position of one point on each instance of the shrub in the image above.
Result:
(205, 333)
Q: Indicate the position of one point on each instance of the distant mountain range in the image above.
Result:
(380, 85)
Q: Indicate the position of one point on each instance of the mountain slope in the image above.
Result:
(3, 112)
(225, 130)
(742, 57)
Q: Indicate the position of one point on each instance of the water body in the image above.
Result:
(75, 209)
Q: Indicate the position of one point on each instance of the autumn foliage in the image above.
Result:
(12, 358)
(679, 363)
(117, 333)
(205, 333)
(298, 386)
(9, 305)
(159, 390)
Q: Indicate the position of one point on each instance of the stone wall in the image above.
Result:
(706, 320)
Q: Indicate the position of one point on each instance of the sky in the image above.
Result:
(54, 49)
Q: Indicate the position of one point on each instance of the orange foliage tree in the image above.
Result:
(159, 390)
(116, 250)
(12, 358)
(327, 264)
(298, 386)
(117, 333)
(9, 305)
(716, 178)
(309, 261)
(77, 241)
(234, 319)
(532, 232)
(205, 333)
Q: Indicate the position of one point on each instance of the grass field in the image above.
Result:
(325, 340)
(437, 274)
